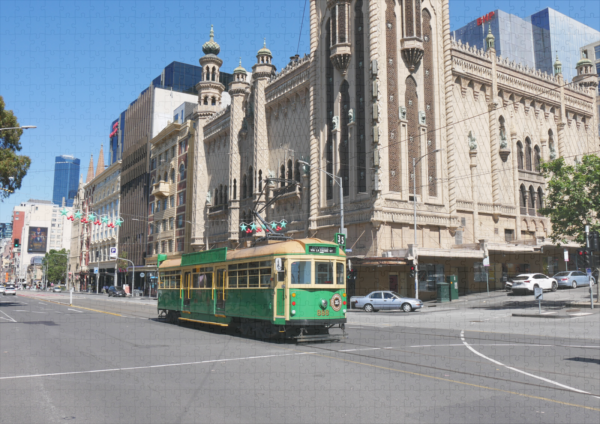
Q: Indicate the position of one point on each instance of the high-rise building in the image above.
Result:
(534, 41)
(66, 178)
(6, 230)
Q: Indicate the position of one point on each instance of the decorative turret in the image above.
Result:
(490, 42)
(239, 73)
(210, 89)
(341, 47)
(586, 74)
(90, 173)
(557, 66)
(263, 68)
(239, 85)
(100, 166)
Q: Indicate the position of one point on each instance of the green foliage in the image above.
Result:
(122, 264)
(13, 167)
(572, 200)
(56, 263)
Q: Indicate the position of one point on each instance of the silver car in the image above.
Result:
(385, 300)
(572, 279)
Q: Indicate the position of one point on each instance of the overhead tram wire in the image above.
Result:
(301, 26)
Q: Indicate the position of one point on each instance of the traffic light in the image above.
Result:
(352, 274)
(594, 241)
(586, 258)
(17, 243)
(412, 269)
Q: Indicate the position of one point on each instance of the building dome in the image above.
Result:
(584, 62)
(264, 51)
(211, 46)
(240, 69)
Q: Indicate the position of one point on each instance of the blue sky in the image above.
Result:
(70, 67)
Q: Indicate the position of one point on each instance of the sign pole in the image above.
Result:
(486, 264)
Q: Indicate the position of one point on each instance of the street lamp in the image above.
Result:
(24, 127)
(338, 181)
(415, 162)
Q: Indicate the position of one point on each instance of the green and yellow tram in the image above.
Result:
(292, 288)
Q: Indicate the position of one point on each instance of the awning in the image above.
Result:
(170, 263)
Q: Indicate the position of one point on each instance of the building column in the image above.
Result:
(449, 98)
(474, 194)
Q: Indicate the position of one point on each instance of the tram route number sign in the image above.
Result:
(340, 240)
(321, 249)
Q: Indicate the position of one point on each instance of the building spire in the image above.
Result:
(100, 166)
(90, 174)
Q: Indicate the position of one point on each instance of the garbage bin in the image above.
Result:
(452, 280)
(443, 292)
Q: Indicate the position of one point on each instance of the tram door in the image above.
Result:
(220, 291)
(187, 283)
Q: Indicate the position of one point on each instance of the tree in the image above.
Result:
(13, 167)
(55, 262)
(572, 199)
(122, 265)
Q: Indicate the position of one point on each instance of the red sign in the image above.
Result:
(114, 130)
(485, 18)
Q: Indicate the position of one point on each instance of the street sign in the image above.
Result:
(486, 261)
(340, 239)
(588, 271)
(96, 270)
(113, 253)
(566, 255)
(538, 292)
(348, 250)
(142, 275)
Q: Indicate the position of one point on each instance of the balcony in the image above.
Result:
(161, 190)
(213, 210)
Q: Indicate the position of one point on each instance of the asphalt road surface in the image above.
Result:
(103, 361)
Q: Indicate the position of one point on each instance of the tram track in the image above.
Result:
(447, 370)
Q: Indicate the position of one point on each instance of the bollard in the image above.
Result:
(71, 297)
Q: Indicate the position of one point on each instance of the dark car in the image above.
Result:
(116, 292)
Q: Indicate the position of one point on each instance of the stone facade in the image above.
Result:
(483, 122)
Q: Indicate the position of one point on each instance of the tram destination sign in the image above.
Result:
(322, 249)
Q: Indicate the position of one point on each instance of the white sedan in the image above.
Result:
(528, 282)
(10, 290)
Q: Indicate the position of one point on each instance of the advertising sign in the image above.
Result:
(566, 253)
(37, 240)
(113, 252)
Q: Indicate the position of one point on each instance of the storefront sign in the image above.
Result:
(485, 18)
(566, 255)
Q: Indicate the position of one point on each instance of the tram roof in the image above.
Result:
(289, 247)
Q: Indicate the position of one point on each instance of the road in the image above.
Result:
(110, 361)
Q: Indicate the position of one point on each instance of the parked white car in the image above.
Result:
(10, 290)
(528, 282)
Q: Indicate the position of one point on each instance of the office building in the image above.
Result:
(6, 230)
(66, 178)
(534, 41)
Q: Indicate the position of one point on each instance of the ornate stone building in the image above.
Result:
(399, 113)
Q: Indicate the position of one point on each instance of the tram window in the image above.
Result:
(265, 277)
(242, 279)
(339, 272)
(230, 267)
(323, 273)
(199, 280)
(253, 265)
(207, 270)
(232, 279)
(175, 282)
(265, 264)
(243, 266)
(253, 278)
(301, 272)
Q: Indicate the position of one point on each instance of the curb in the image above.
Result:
(542, 316)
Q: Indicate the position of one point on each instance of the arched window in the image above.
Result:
(297, 171)
(519, 155)
(234, 189)
(244, 186)
(206, 100)
(528, 154)
(214, 74)
(540, 198)
(181, 172)
(165, 177)
(213, 101)
(172, 175)
(250, 181)
(221, 194)
(153, 181)
(216, 202)
(260, 181)
(225, 195)
(290, 175)
(536, 158)
(523, 199)
(282, 175)
(531, 197)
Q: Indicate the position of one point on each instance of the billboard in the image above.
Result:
(37, 240)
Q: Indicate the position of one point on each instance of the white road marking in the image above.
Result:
(462, 337)
(37, 312)
(210, 361)
(75, 310)
(9, 318)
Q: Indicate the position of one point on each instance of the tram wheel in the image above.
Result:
(246, 327)
(263, 330)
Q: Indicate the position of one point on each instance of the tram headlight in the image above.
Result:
(293, 312)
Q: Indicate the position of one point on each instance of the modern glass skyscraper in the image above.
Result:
(533, 41)
(66, 179)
